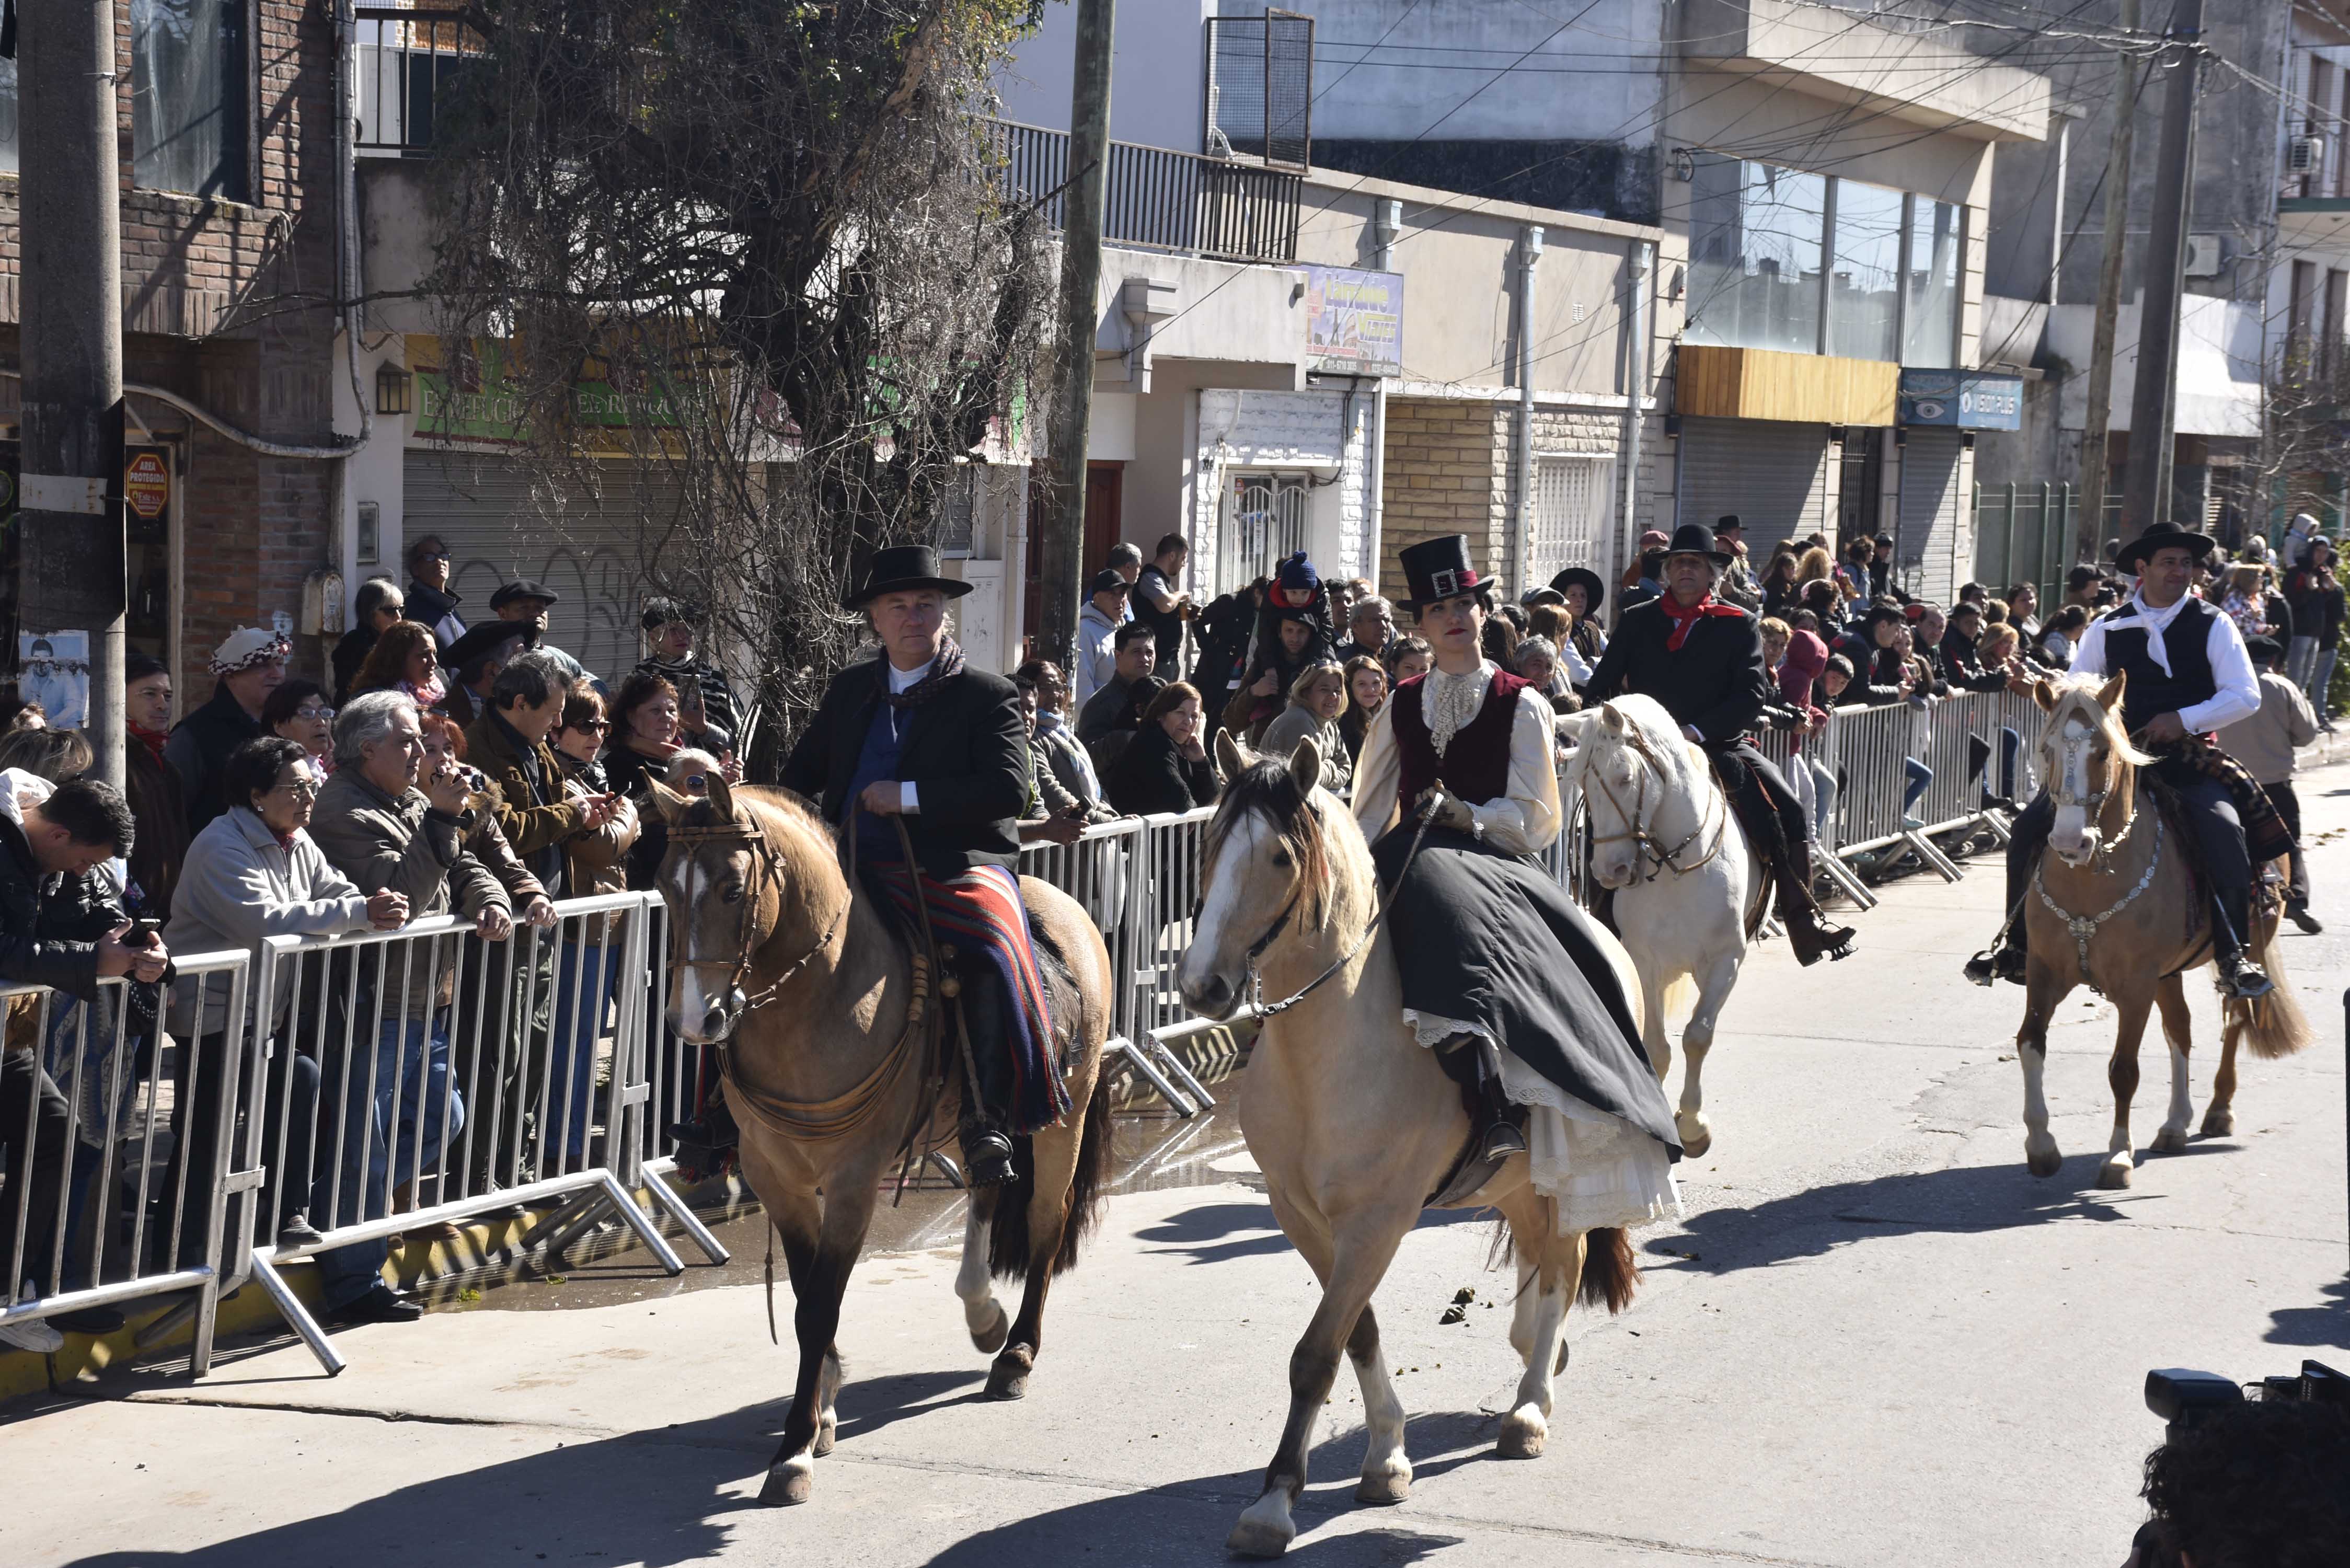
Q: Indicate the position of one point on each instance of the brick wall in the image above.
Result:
(1445, 471)
(229, 305)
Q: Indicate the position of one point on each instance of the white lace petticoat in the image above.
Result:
(1600, 1168)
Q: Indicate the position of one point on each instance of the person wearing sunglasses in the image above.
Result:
(298, 711)
(429, 598)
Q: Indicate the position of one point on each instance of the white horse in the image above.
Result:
(1354, 1124)
(1689, 888)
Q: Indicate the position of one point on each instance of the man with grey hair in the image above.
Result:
(384, 824)
(1370, 627)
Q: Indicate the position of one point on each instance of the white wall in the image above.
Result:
(1290, 431)
(1158, 72)
(2219, 351)
(371, 473)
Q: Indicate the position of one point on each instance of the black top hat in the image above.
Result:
(2161, 536)
(1439, 569)
(900, 568)
(523, 588)
(1696, 539)
(1594, 592)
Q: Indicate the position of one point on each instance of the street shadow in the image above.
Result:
(1962, 1199)
(1211, 1232)
(2327, 1325)
(868, 1404)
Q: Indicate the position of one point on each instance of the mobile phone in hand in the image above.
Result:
(142, 932)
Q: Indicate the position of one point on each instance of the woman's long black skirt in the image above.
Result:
(1491, 939)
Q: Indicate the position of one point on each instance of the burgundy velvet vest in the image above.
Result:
(1476, 766)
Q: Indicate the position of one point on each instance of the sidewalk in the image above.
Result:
(1874, 1339)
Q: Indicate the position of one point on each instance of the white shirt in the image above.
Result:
(2237, 694)
(902, 680)
(1523, 821)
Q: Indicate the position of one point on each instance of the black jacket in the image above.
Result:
(1963, 667)
(965, 751)
(430, 606)
(350, 654)
(199, 748)
(1151, 776)
(49, 922)
(1715, 680)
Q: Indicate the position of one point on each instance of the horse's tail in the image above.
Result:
(1609, 1274)
(1008, 1246)
(1678, 1002)
(2274, 1026)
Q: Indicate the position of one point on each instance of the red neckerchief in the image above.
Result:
(152, 738)
(1683, 619)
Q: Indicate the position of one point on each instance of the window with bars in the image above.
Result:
(1263, 523)
(1571, 512)
(1261, 88)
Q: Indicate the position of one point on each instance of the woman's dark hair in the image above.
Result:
(636, 691)
(1138, 699)
(1172, 696)
(1398, 648)
(57, 755)
(386, 665)
(582, 708)
(1498, 641)
(252, 768)
(2068, 617)
(281, 703)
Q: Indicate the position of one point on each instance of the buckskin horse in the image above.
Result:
(2113, 907)
(835, 1078)
(1353, 1123)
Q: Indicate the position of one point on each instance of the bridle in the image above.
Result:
(1261, 1009)
(766, 865)
(2062, 795)
(1663, 857)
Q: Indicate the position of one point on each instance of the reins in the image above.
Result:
(2084, 927)
(1663, 859)
(1261, 1009)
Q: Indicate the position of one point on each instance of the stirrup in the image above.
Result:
(986, 1155)
(2243, 981)
(2005, 962)
(1502, 1140)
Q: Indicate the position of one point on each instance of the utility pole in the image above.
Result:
(2145, 494)
(1064, 523)
(2096, 425)
(70, 576)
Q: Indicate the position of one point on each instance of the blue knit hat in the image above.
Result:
(1295, 586)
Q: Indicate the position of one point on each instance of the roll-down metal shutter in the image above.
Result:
(1773, 474)
(589, 549)
(1927, 548)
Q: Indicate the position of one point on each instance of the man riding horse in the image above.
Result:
(2188, 675)
(1702, 658)
(1501, 972)
(914, 734)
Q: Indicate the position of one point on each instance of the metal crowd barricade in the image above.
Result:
(454, 1078)
(118, 1159)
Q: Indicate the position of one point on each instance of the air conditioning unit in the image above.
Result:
(2304, 155)
(2202, 255)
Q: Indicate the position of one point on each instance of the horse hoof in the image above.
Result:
(827, 1435)
(2169, 1141)
(788, 1482)
(2044, 1165)
(1383, 1489)
(1264, 1530)
(1523, 1436)
(1008, 1379)
(2113, 1176)
(989, 1340)
(2218, 1124)
(1695, 1137)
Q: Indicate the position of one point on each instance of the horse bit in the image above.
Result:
(1665, 859)
(2084, 927)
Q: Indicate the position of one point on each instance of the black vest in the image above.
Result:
(2186, 641)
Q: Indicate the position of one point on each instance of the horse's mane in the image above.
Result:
(1267, 790)
(1660, 736)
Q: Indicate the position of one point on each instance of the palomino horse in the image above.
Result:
(1353, 1123)
(2112, 907)
(1689, 888)
(829, 1078)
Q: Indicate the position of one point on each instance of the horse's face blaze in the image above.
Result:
(1242, 891)
(704, 887)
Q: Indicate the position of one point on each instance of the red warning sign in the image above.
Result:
(147, 484)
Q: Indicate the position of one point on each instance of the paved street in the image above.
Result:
(1875, 1339)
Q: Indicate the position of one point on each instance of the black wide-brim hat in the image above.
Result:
(482, 640)
(2161, 536)
(1695, 539)
(898, 568)
(1594, 592)
(1437, 569)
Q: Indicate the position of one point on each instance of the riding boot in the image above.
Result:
(2006, 958)
(2239, 977)
(979, 1015)
(1492, 1119)
(1808, 932)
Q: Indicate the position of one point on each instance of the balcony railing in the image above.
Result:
(405, 58)
(1159, 199)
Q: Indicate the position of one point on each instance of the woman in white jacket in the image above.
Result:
(253, 872)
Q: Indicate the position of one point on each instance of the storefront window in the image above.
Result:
(1754, 254)
(1932, 331)
(1863, 285)
(188, 96)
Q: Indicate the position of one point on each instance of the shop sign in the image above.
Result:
(465, 395)
(1961, 400)
(1354, 321)
(147, 484)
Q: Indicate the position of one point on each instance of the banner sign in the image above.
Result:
(1961, 400)
(1354, 321)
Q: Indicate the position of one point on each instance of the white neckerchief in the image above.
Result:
(2156, 622)
(1447, 702)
